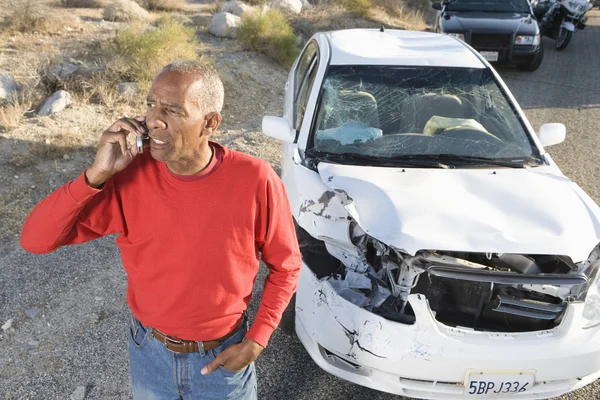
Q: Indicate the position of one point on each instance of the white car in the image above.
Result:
(445, 255)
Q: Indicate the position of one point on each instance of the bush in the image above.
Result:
(361, 8)
(166, 5)
(25, 16)
(146, 52)
(269, 33)
(81, 3)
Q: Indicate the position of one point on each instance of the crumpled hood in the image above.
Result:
(525, 211)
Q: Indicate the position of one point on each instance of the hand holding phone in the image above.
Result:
(113, 154)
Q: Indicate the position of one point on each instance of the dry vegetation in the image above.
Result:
(269, 33)
(147, 49)
(81, 3)
(27, 16)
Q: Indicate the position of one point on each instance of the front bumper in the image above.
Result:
(514, 55)
(430, 360)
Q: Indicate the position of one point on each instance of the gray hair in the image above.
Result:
(211, 93)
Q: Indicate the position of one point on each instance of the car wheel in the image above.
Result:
(534, 63)
(563, 39)
(288, 319)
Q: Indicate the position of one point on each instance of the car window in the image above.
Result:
(304, 93)
(305, 61)
(407, 111)
(489, 5)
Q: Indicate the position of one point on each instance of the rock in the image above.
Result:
(98, 298)
(34, 343)
(79, 62)
(79, 393)
(8, 87)
(55, 103)
(293, 6)
(33, 312)
(235, 8)
(70, 70)
(225, 25)
(128, 88)
(8, 324)
(124, 11)
(306, 5)
(300, 41)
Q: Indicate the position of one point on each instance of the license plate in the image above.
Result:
(490, 56)
(497, 384)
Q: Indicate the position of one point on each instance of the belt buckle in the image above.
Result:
(171, 340)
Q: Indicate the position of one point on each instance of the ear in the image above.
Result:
(211, 123)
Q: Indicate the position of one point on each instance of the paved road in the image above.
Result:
(77, 346)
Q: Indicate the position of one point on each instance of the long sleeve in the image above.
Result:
(73, 213)
(281, 254)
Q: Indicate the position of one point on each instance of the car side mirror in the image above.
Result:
(551, 134)
(436, 6)
(278, 128)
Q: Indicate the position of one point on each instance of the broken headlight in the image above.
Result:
(591, 309)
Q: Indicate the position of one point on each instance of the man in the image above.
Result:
(192, 217)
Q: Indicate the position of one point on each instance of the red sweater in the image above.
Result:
(190, 248)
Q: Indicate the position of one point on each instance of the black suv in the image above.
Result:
(503, 31)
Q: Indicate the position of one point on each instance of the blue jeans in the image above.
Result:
(159, 374)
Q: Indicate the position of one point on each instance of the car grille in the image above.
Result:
(490, 41)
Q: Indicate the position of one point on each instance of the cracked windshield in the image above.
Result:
(489, 5)
(378, 115)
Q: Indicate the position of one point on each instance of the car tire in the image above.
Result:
(288, 318)
(534, 63)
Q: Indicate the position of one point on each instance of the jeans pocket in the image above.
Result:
(138, 333)
(229, 373)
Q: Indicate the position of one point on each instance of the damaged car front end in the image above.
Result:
(445, 256)
(435, 324)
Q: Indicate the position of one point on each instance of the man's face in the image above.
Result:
(174, 118)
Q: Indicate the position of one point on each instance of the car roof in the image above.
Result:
(399, 47)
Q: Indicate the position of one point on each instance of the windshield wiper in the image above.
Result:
(474, 160)
(365, 159)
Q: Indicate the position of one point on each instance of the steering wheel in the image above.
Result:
(468, 132)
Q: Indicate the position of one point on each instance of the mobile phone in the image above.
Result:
(143, 140)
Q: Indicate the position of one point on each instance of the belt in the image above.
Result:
(177, 345)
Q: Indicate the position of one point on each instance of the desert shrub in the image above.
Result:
(81, 3)
(27, 16)
(146, 51)
(11, 114)
(166, 5)
(269, 33)
(361, 8)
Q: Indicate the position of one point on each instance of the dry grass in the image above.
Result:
(12, 114)
(334, 15)
(360, 8)
(166, 5)
(269, 33)
(146, 51)
(28, 16)
(82, 3)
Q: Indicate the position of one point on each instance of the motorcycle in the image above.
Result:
(560, 19)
